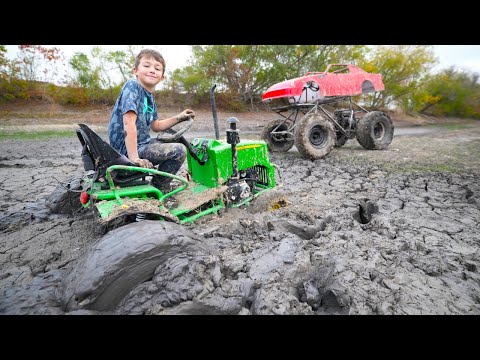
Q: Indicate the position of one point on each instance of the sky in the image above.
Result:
(463, 56)
(176, 56)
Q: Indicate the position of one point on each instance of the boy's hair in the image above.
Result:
(150, 53)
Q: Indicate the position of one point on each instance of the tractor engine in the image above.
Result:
(345, 118)
(238, 190)
(254, 168)
(243, 166)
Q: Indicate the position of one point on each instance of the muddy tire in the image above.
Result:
(315, 136)
(120, 261)
(375, 131)
(341, 139)
(278, 143)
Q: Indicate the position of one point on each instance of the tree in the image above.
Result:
(102, 69)
(403, 68)
(451, 92)
(122, 62)
(245, 71)
(4, 63)
(85, 75)
(38, 63)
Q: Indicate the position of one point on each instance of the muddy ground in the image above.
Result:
(303, 249)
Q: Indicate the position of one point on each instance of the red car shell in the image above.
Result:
(348, 80)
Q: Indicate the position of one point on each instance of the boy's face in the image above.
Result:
(149, 73)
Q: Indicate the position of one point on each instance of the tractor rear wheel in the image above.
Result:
(315, 136)
(375, 131)
(121, 260)
(278, 142)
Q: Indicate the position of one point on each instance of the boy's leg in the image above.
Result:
(168, 156)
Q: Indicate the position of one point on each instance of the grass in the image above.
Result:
(39, 115)
(26, 135)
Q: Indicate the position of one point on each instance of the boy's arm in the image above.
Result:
(130, 128)
(161, 125)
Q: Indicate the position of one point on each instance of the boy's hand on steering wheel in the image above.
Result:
(185, 115)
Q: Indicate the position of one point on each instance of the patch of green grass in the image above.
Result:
(39, 115)
(47, 134)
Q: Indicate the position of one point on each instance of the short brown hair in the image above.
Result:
(150, 53)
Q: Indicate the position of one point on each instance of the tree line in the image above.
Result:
(242, 73)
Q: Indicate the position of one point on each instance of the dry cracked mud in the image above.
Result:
(359, 232)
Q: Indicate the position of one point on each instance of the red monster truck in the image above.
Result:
(318, 130)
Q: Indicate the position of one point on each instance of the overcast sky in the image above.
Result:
(176, 56)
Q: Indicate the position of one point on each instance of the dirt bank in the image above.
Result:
(416, 252)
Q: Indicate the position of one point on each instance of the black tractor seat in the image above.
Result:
(98, 155)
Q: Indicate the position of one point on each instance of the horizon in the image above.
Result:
(463, 57)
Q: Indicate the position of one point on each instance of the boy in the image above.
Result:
(135, 114)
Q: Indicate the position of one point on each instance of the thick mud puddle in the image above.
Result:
(343, 235)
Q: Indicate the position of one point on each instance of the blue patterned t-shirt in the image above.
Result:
(135, 97)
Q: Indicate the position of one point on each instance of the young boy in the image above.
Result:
(135, 114)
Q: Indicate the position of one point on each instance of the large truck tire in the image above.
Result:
(315, 136)
(120, 261)
(341, 139)
(375, 131)
(278, 143)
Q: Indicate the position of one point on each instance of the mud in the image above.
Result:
(359, 232)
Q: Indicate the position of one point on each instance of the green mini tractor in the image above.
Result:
(221, 174)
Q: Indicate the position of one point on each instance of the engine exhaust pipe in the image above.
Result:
(214, 111)
(233, 139)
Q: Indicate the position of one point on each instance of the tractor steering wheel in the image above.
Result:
(175, 132)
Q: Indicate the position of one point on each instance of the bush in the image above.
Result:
(15, 89)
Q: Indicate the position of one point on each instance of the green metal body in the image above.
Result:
(212, 175)
(218, 168)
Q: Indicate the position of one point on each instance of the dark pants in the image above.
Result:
(167, 157)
